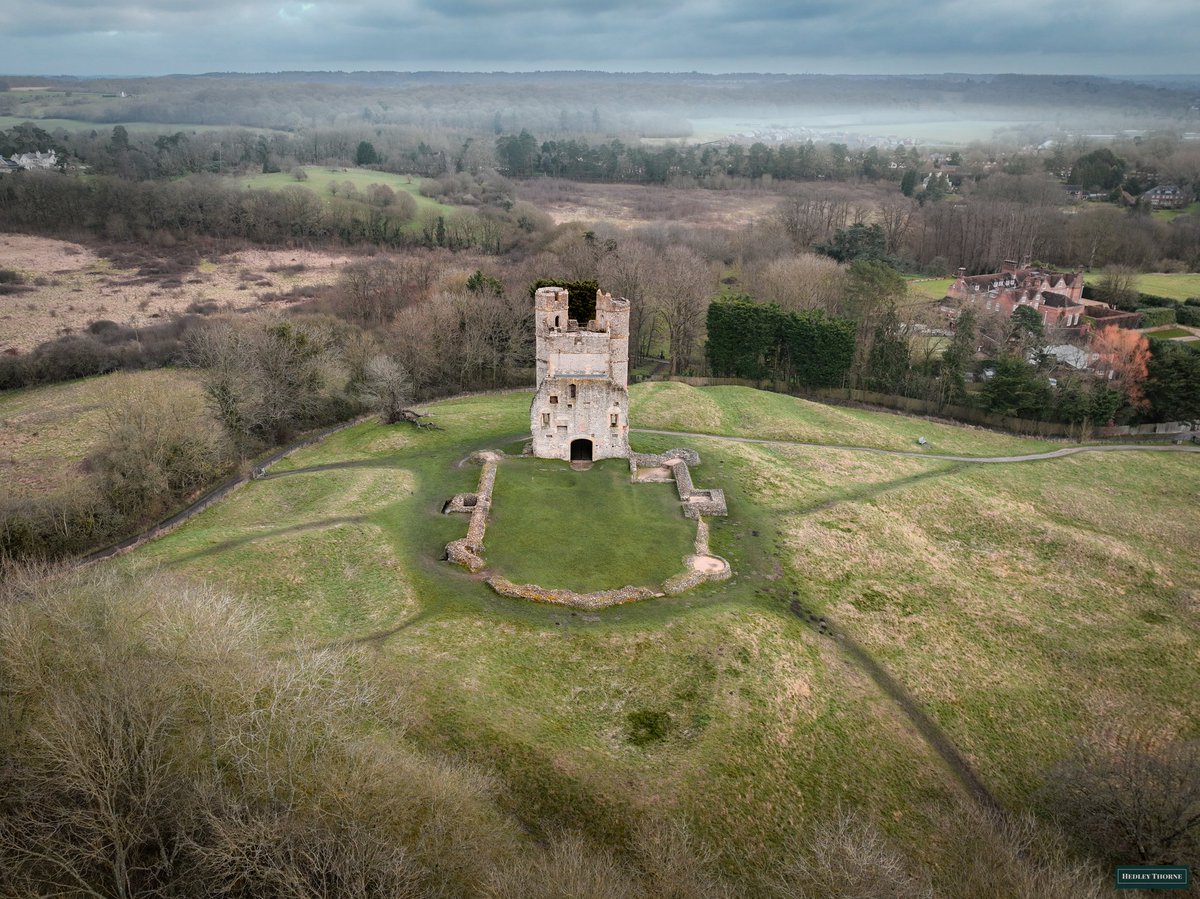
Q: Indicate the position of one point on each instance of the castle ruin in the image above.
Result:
(581, 409)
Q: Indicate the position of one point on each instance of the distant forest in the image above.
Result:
(641, 104)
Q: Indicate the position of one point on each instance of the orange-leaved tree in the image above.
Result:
(1125, 359)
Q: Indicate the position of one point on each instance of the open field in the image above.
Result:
(606, 532)
(634, 205)
(1175, 286)
(51, 124)
(67, 286)
(931, 288)
(47, 433)
(1024, 606)
(870, 125)
(319, 178)
(1172, 333)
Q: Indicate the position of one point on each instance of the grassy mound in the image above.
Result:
(745, 412)
(1023, 606)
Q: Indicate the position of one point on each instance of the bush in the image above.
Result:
(1188, 315)
(53, 526)
(1155, 316)
(151, 746)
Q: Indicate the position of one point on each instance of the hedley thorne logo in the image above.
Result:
(1153, 877)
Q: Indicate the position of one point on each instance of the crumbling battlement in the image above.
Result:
(581, 408)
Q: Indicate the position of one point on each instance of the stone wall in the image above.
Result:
(601, 599)
(582, 378)
(468, 551)
(699, 567)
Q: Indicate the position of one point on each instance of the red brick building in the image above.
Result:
(1058, 296)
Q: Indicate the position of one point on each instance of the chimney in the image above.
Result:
(1010, 266)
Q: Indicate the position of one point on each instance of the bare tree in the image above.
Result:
(808, 219)
(624, 273)
(804, 281)
(679, 287)
(387, 388)
(1130, 797)
(895, 215)
(264, 379)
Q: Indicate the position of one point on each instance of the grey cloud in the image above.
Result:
(157, 36)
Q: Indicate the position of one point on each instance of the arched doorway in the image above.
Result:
(581, 450)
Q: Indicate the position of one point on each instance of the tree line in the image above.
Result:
(209, 206)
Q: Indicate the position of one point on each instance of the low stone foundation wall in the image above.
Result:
(696, 502)
(699, 567)
(601, 599)
(468, 551)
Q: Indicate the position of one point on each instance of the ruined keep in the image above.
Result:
(581, 409)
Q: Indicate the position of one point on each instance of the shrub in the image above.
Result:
(1155, 316)
(152, 747)
(1188, 315)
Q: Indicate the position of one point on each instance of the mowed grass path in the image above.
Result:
(1023, 606)
(585, 530)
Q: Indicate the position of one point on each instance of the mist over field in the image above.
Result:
(858, 110)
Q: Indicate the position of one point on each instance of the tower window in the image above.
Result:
(545, 419)
(612, 420)
(554, 401)
(572, 392)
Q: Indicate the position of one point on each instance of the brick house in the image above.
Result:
(1057, 296)
(1166, 196)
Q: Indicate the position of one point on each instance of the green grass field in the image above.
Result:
(1023, 605)
(931, 288)
(8, 121)
(607, 532)
(319, 179)
(1168, 333)
(1175, 286)
(1169, 215)
(747, 412)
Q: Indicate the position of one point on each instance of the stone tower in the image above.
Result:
(581, 408)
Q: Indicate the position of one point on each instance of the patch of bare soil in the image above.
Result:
(635, 205)
(70, 286)
(708, 564)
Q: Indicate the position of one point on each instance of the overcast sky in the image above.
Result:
(155, 37)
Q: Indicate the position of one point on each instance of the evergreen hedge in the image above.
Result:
(758, 341)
